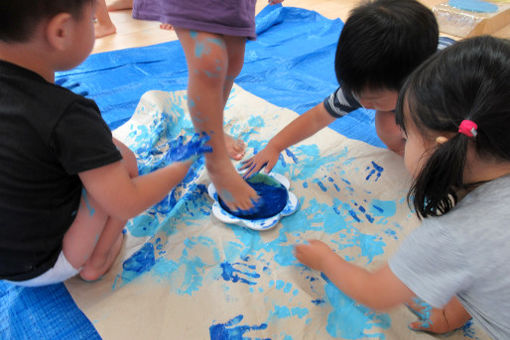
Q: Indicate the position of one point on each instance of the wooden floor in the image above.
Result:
(136, 33)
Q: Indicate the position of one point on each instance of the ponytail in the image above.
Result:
(434, 190)
(462, 92)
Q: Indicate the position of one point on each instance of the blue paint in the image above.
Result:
(321, 185)
(291, 155)
(281, 160)
(143, 225)
(140, 262)
(383, 210)
(423, 313)
(287, 288)
(353, 214)
(474, 6)
(318, 301)
(279, 284)
(468, 330)
(216, 41)
(87, 203)
(229, 330)
(273, 198)
(305, 185)
(375, 170)
(230, 273)
(186, 274)
(256, 121)
(349, 320)
(180, 150)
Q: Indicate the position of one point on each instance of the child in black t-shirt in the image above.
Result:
(66, 186)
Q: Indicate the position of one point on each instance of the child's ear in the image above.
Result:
(441, 139)
(59, 31)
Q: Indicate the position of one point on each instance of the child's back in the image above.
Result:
(67, 187)
(47, 133)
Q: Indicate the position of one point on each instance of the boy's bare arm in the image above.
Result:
(299, 129)
(124, 197)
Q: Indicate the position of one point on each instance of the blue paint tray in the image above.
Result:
(256, 224)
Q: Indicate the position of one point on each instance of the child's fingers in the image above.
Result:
(253, 170)
(246, 163)
(270, 165)
(420, 326)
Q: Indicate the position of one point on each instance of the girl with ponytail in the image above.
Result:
(454, 111)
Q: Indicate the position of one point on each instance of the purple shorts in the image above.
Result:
(226, 17)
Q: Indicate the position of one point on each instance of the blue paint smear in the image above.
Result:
(140, 262)
(424, 313)
(291, 155)
(383, 210)
(321, 185)
(318, 301)
(349, 320)
(283, 312)
(186, 274)
(87, 203)
(229, 330)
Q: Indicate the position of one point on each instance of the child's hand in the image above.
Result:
(434, 320)
(182, 151)
(267, 158)
(313, 254)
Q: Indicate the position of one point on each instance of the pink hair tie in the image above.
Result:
(468, 127)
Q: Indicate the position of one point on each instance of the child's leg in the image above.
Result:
(117, 5)
(94, 239)
(166, 27)
(235, 52)
(389, 132)
(104, 25)
(207, 58)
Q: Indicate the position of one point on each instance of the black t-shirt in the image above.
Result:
(48, 135)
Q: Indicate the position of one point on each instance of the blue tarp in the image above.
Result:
(290, 65)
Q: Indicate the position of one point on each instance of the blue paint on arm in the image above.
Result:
(87, 203)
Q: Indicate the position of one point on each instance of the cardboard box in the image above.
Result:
(464, 23)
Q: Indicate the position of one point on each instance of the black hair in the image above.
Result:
(382, 42)
(19, 18)
(468, 80)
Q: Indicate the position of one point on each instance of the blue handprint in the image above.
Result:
(179, 150)
(227, 331)
(230, 273)
(376, 170)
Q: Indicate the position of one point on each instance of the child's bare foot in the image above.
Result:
(118, 5)
(166, 27)
(103, 30)
(235, 147)
(97, 266)
(230, 186)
